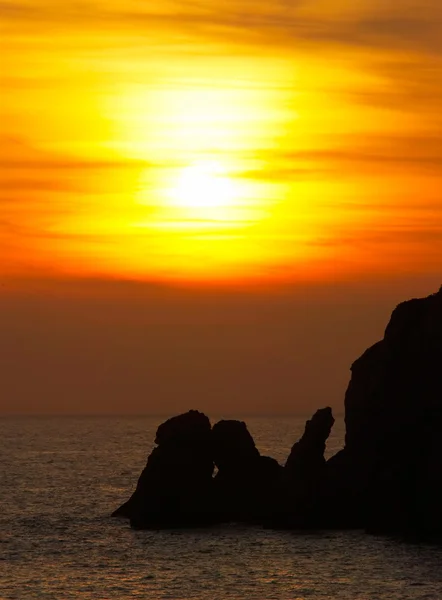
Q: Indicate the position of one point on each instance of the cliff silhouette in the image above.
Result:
(387, 479)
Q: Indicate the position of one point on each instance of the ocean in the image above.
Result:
(61, 477)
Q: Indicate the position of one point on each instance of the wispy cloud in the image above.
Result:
(351, 139)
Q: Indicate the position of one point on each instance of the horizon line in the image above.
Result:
(157, 415)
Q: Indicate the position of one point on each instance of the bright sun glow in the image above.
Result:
(211, 193)
(203, 185)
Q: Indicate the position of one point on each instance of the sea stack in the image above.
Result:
(388, 478)
(174, 489)
(305, 474)
(246, 484)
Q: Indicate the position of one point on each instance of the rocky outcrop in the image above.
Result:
(306, 462)
(305, 473)
(388, 478)
(244, 486)
(175, 487)
(233, 446)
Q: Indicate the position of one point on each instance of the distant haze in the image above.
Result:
(115, 347)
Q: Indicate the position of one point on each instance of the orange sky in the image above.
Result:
(241, 143)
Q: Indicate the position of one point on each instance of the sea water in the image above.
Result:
(62, 477)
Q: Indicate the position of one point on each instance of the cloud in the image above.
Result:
(409, 24)
(382, 63)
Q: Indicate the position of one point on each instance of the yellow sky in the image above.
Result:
(146, 146)
(220, 141)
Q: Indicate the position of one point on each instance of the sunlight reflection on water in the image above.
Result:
(63, 477)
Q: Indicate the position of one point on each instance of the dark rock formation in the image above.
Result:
(306, 461)
(175, 487)
(244, 486)
(387, 479)
(389, 476)
(233, 446)
(305, 472)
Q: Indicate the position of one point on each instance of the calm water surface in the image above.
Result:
(61, 478)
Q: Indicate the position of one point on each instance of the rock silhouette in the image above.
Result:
(175, 486)
(306, 461)
(305, 473)
(244, 486)
(387, 479)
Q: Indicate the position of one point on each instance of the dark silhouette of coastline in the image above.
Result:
(387, 479)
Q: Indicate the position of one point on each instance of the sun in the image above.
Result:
(203, 185)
